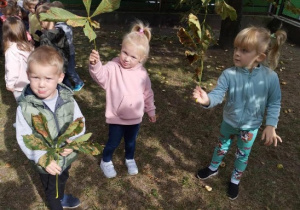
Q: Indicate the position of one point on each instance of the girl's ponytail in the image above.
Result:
(139, 27)
(277, 40)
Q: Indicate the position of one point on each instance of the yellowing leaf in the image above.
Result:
(89, 32)
(208, 188)
(225, 10)
(87, 4)
(195, 27)
(106, 6)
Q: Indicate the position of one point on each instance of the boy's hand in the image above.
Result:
(53, 168)
(270, 135)
(152, 119)
(66, 152)
(201, 96)
(94, 57)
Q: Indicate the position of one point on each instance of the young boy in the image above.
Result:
(54, 34)
(45, 94)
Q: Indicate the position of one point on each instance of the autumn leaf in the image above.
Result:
(225, 10)
(185, 38)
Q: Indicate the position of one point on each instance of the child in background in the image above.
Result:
(251, 87)
(128, 95)
(55, 37)
(17, 49)
(72, 74)
(55, 101)
(34, 25)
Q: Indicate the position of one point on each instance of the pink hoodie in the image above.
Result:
(128, 92)
(16, 68)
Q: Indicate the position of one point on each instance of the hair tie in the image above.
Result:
(273, 36)
(141, 30)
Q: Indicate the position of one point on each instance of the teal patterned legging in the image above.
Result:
(245, 140)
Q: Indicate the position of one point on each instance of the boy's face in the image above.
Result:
(31, 8)
(44, 79)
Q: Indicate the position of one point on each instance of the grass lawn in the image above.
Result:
(169, 152)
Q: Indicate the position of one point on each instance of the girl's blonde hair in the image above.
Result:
(140, 37)
(48, 56)
(28, 3)
(260, 39)
(14, 31)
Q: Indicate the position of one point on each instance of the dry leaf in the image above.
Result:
(279, 166)
(208, 188)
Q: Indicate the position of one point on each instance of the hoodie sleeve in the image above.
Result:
(22, 128)
(100, 73)
(78, 114)
(217, 95)
(274, 100)
(12, 67)
(149, 98)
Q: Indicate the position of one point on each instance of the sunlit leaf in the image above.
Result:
(106, 6)
(83, 138)
(56, 14)
(41, 126)
(195, 27)
(87, 4)
(205, 2)
(225, 10)
(74, 128)
(34, 143)
(89, 32)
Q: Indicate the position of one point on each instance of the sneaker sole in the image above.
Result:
(208, 176)
(66, 207)
(109, 177)
(233, 198)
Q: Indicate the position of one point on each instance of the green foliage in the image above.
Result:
(57, 146)
(61, 15)
(225, 10)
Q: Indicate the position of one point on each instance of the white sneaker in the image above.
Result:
(132, 167)
(108, 169)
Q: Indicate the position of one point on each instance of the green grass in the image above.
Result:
(169, 152)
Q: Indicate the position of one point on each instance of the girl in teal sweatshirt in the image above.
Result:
(251, 88)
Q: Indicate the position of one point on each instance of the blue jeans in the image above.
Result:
(71, 74)
(116, 133)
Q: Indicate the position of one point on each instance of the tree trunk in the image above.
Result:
(229, 29)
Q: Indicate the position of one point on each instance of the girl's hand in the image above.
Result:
(152, 119)
(10, 89)
(270, 135)
(201, 96)
(94, 57)
(53, 168)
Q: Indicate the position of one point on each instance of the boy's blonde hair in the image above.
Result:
(260, 39)
(28, 3)
(140, 37)
(14, 31)
(48, 56)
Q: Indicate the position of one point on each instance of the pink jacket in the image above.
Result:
(128, 92)
(16, 68)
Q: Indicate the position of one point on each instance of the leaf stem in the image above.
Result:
(200, 73)
(95, 44)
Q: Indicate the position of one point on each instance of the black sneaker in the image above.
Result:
(206, 173)
(233, 191)
(70, 202)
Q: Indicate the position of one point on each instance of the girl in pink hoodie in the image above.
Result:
(17, 49)
(128, 95)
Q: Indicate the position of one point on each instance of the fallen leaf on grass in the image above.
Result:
(208, 188)
(283, 83)
(279, 166)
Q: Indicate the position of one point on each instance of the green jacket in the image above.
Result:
(58, 121)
